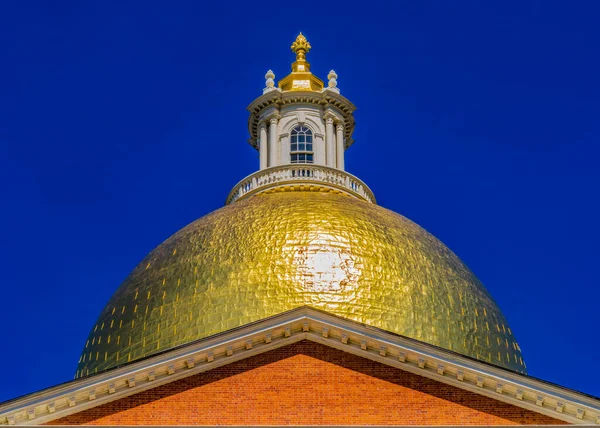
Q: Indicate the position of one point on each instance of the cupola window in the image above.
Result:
(301, 150)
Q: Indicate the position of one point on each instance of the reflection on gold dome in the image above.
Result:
(325, 265)
(275, 252)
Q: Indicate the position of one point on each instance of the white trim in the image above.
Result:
(290, 327)
(309, 122)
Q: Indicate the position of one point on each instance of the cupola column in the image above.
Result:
(330, 148)
(262, 150)
(273, 140)
(340, 146)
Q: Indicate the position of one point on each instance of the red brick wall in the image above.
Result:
(306, 383)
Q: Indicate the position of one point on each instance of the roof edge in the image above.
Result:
(303, 323)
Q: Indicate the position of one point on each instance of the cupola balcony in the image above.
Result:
(301, 177)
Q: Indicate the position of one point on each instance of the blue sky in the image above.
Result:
(121, 122)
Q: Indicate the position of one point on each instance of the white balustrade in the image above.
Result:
(281, 175)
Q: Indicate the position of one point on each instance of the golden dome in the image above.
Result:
(274, 252)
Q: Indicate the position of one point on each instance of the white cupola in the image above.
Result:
(301, 129)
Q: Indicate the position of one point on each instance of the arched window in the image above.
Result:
(301, 149)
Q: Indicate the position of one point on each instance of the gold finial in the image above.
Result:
(301, 47)
(301, 79)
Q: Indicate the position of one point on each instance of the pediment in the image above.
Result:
(380, 368)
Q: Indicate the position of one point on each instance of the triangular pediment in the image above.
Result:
(305, 367)
(306, 383)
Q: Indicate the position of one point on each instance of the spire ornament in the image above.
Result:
(301, 79)
(270, 82)
(332, 84)
(301, 47)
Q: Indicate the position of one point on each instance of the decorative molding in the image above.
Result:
(334, 103)
(303, 324)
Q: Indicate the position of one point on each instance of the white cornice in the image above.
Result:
(326, 99)
(290, 327)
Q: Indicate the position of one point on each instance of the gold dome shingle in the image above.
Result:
(275, 252)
